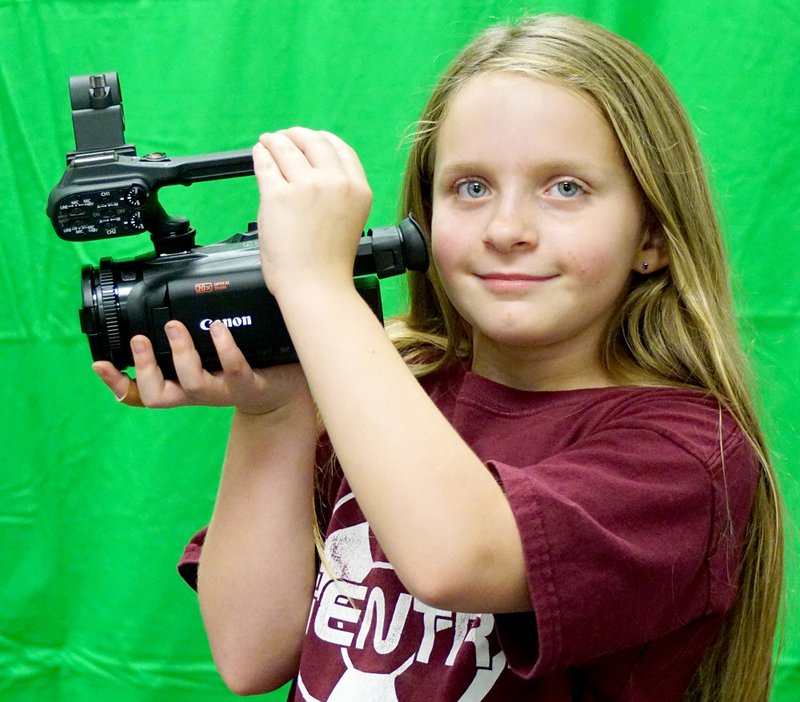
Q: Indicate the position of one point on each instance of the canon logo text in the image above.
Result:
(230, 322)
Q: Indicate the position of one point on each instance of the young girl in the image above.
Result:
(557, 489)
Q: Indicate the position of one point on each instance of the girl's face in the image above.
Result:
(537, 225)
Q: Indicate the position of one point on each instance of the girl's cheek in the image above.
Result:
(445, 261)
(439, 265)
(583, 264)
(604, 273)
(442, 248)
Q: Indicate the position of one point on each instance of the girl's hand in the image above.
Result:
(252, 391)
(314, 203)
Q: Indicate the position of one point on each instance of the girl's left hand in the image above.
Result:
(237, 384)
(314, 202)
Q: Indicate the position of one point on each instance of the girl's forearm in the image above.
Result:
(256, 573)
(439, 515)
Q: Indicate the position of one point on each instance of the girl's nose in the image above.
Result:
(511, 229)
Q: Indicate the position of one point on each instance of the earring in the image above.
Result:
(645, 266)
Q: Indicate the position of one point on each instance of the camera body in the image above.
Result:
(107, 191)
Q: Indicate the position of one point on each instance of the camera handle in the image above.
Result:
(110, 193)
(174, 234)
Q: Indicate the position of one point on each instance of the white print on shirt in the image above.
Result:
(344, 612)
(357, 685)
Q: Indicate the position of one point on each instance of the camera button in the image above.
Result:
(136, 196)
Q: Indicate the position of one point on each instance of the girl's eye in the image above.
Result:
(471, 189)
(568, 188)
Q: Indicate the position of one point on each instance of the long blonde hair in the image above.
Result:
(675, 327)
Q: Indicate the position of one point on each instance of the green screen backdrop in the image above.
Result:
(98, 499)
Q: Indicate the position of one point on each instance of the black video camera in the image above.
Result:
(108, 191)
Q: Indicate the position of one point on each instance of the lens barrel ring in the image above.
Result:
(109, 308)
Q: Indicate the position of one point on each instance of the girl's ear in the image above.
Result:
(652, 254)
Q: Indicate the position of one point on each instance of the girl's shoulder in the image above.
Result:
(689, 417)
(459, 382)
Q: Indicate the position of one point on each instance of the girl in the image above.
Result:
(558, 489)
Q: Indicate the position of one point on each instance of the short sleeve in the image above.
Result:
(187, 565)
(623, 540)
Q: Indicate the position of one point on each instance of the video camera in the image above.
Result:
(108, 191)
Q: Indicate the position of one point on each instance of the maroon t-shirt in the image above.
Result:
(631, 524)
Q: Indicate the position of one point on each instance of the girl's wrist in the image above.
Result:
(307, 283)
(307, 295)
(292, 410)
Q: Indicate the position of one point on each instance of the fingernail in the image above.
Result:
(172, 331)
(216, 328)
(138, 346)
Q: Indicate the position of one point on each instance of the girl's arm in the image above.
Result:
(438, 513)
(257, 568)
(256, 572)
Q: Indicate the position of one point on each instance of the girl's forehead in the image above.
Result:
(514, 116)
(515, 95)
(505, 85)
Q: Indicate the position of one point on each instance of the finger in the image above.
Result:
(347, 156)
(289, 159)
(123, 387)
(231, 358)
(334, 152)
(132, 398)
(264, 164)
(238, 378)
(192, 376)
(149, 378)
(269, 178)
(321, 149)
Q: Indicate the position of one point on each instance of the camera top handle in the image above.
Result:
(108, 191)
(109, 194)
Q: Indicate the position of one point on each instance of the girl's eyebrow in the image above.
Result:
(459, 167)
(585, 169)
(550, 167)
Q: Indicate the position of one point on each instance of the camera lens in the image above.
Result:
(101, 318)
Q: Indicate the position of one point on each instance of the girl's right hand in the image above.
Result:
(252, 391)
